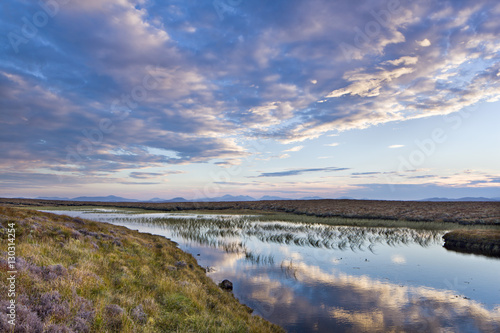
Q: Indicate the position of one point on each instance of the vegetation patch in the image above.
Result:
(76, 275)
(474, 241)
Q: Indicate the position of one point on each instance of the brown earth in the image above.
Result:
(487, 213)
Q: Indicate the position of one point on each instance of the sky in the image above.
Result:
(379, 99)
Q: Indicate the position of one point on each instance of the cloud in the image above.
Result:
(366, 173)
(152, 175)
(233, 183)
(369, 84)
(333, 144)
(424, 42)
(297, 172)
(177, 78)
(396, 146)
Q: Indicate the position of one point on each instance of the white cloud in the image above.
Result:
(334, 144)
(424, 43)
(396, 146)
(296, 148)
(406, 60)
(369, 84)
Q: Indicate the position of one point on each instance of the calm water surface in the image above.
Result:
(317, 278)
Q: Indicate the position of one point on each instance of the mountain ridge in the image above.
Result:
(228, 197)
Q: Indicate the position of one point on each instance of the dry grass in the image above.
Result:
(84, 276)
(475, 241)
(416, 211)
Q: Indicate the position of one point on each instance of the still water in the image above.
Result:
(319, 278)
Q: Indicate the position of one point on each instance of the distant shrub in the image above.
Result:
(50, 304)
(138, 314)
(114, 314)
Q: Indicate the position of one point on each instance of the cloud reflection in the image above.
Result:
(362, 304)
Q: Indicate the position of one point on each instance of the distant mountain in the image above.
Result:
(227, 197)
(462, 199)
(109, 198)
(270, 197)
(311, 198)
(53, 198)
(157, 200)
(177, 199)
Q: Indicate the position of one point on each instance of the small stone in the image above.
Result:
(226, 285)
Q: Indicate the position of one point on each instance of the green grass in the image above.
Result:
(103, 278)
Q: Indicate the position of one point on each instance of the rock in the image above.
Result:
(226, 285)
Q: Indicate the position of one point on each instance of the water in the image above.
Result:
(317, 278)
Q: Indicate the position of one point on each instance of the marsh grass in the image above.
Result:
(233, 233)
(85, 276)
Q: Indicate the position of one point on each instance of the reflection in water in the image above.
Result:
(219, 232)
(359, 303)
(322, 278)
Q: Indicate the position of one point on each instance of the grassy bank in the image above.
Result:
(85, 276)
(474, 241)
